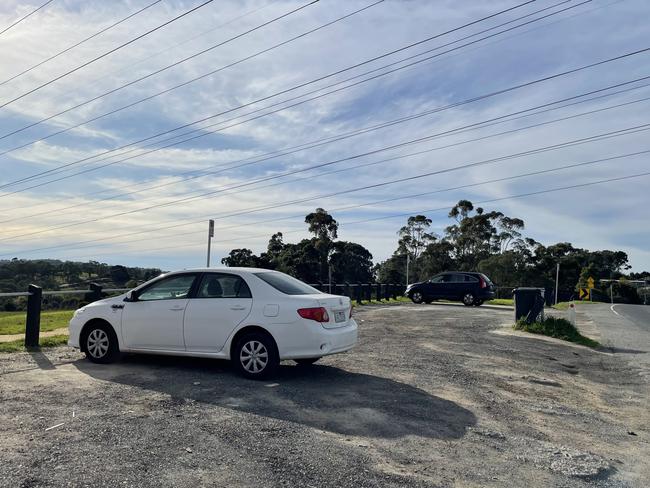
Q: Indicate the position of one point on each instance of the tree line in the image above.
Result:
(475, 240)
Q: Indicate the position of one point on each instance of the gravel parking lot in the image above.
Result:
(433, 396)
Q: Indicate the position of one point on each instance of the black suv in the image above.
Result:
(470, 288)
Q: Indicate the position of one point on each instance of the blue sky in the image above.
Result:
(606, 216)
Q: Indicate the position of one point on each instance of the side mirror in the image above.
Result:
(129, 297)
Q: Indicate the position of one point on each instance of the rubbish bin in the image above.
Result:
(529, 304)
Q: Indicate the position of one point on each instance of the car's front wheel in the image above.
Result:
(99, 343)
(468, 299)
(416, 297)
(256, 356)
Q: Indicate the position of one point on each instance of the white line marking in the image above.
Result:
(612, 309)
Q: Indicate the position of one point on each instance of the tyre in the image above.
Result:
(416, 297)
(468, 299)
(256, 356)
(99, 343)
(306, 361)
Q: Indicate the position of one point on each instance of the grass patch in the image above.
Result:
(558, 328)
(565, 305)
(501, 301)
(19, 345)
(14, 322)
(383, 302)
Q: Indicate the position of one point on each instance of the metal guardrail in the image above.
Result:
(34, 296)
(363, 291)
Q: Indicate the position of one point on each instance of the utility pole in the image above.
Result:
(210, 236)
(557, 281)
(408, 259)
(611, 291)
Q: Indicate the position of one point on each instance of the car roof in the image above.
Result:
(461, 272)
(220, 269)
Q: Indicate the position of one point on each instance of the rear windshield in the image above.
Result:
(488, 281)
(286, 284)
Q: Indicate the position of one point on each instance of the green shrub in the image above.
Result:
(558, 328)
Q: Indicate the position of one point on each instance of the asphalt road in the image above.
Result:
(433, 397)
(625, 331)
(638, 314)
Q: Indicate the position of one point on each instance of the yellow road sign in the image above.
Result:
(584, 293)
(590, 283)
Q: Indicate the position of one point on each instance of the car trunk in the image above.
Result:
(338, 309)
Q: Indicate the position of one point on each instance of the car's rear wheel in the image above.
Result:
(468, 299)
(99, 343)
(306, 361)
(416, 297)
(256, 356)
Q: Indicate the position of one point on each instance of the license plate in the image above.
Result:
(339, 316)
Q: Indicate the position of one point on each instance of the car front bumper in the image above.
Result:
(74, 329)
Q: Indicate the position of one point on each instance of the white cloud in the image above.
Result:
(608, 220)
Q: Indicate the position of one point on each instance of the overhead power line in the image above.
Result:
(70, 48)
(405, 214)
(79, 245)
(103, 55)
(158, 71)
(203, 134)
(214, 71)
(301, 85)
(446, 107)
(584, 140)
(25, 17)
(129, 66)
(474, 126)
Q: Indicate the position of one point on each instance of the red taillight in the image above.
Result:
(483, 283)
(319, 314)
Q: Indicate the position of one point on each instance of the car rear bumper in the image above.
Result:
(309, 339)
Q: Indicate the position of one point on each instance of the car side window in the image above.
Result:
(471, 279)
(448, 278)
(174, 287)
(218, 285)
(437, 279)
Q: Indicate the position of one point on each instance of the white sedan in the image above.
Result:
(255, 317)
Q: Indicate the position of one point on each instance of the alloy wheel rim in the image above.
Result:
(254, 357)
(417, 296)
(469, 298)
(97, 343)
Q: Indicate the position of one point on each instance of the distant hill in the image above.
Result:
(53, 274)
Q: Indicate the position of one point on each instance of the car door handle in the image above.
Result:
(177, 309)
(238, 307)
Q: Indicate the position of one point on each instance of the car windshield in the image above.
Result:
(286, 284)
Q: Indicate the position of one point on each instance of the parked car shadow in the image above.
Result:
(323, 397)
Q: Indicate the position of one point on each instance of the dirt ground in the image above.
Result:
(433, 396)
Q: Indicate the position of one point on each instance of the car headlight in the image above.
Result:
(79, 311)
